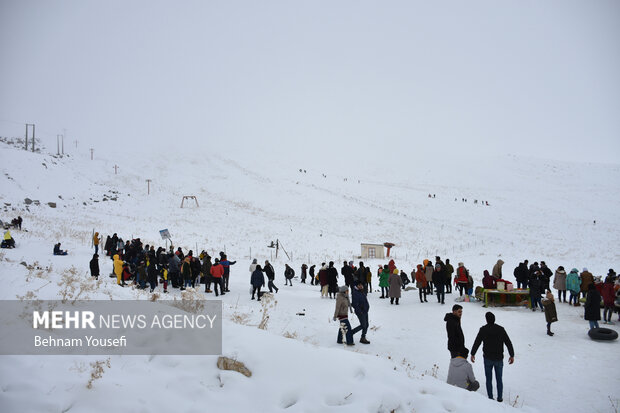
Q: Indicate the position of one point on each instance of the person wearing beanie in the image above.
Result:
(341, 314)
(395, 283)
(493, 338)
(461, 373)
(439, 279)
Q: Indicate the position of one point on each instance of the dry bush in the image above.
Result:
(290, 335)
(97, 371)
(268, 302)
(74, 287)
(240, 318)
(192, 301)
(433, 372)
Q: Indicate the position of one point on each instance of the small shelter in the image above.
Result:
(370, 251)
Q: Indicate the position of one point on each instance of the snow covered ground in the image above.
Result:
(539, 210)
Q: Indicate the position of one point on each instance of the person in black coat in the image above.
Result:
(456, 339)
(546, 276)
(593, 306)
(361, 306)
(257, 280)
(311, 273)
(521, 274)
(536, 291)
(152, 273)
(94, 266)
(347, 273)
(271, 275)
(289, 273)
(332, 280)
(493, 337)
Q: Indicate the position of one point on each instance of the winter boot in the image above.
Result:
(364, 341)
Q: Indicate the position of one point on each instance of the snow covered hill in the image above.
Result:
(538, 209)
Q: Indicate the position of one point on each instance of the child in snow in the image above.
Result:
(551, 314)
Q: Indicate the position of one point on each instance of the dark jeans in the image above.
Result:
(574, 298)
(225, 283)
(344, 323)
(462, 288)
(422, 291)
(536, 301)
(96, 249)
(384, 291)
(441, 295)
(363, 318)
(217, 282)
(430, 288)
(607, 313)
(256, 290)
(521, 284)
(272, 286)
(498, 365)
(448, 287)
(560, 294)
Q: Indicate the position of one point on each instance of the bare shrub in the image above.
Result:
(97, 371)
(192, 301)
(268, 302)
(73, 287)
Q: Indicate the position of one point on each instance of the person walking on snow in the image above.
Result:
(420, 282)
(289, 273)
(271, 275)
(257, 281)
(493, 337)
(361, 308)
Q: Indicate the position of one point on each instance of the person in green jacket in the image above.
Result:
(383, 281)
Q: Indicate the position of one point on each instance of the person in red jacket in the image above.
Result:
(461, 279)
(609, 296)
(217, 271)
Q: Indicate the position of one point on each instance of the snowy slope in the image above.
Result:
(538, 210)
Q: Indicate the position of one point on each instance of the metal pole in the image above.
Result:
(33, 138)
(57, 144)
(91, 153)
(62, 139)
(26, 136)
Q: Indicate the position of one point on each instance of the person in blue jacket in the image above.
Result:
(361, 306)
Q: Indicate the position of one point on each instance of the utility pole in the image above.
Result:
(91, 153)
(148, 183)
(27, 128)
(115, 169)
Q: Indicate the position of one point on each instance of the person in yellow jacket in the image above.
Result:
(118, 270)
(96, 241)
(8, 242)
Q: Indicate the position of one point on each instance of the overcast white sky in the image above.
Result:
(361, 80)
